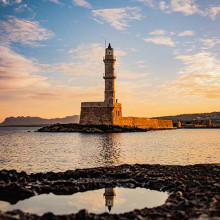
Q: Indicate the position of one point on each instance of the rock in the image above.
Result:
(82, 214)
(90, 128)
(13, 192)
(187, 199)
(49, 216)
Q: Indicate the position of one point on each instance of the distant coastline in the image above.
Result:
(8, 126)
(39, 122)
(214, 116)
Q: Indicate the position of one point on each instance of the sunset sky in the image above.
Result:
(51, 51)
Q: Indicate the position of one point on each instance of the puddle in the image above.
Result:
(113, 200)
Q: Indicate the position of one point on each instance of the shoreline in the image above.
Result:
(194, 190)
(96, 128)
(47, 125)
(89, 128)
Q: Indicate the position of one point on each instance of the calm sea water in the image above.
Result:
(42, 152)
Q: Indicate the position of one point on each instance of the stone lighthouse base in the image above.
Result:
(101, 113)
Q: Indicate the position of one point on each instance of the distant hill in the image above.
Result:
(214, 116)
(34, 121)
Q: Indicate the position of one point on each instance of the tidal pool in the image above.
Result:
(113, 200)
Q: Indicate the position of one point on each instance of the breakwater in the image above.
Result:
(90, 128)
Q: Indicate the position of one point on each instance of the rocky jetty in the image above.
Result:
(89, 128)
(194, 191)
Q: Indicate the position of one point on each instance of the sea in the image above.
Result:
(24, 149)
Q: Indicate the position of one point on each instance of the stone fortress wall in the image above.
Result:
(146, 123)
(109, 112)
(109, 116)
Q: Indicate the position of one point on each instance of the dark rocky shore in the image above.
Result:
(194, 191)
(90, 128)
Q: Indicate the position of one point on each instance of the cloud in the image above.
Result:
(23, 31)
(158, 32)
(117, 17)
(56, 2)
(82, 3)
(22, 8)
(20, 78)
(150, 3)
(213, 11)
(9, 2)
(186, 33)
(163, 6)
(85, 60)
(200, 77)
(210, 42)
(18, 73)
(188, 7)
(161, 41)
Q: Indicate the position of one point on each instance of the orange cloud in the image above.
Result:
(18, 73)
(200, 77)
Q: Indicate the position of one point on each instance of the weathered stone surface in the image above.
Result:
(194, 190)
(146, 123)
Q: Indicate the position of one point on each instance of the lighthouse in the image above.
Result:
(109, 76)
(107, 112)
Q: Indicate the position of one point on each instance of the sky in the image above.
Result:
(51, 56)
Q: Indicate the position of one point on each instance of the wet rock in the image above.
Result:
(191, 193)
(13, 192)
(49, 216)
(82, 214)
(90, 128)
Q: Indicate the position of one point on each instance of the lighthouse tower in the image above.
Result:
(108, 112)
(109, 75)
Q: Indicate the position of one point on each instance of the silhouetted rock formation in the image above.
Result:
(28, 121)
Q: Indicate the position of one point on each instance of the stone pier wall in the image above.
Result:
(102, 113)
(146, 123)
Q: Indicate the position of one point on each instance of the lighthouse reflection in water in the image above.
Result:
(109, 198)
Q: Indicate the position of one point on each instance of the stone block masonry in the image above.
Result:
(146, 123)
(99, 113)
(109, 112)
